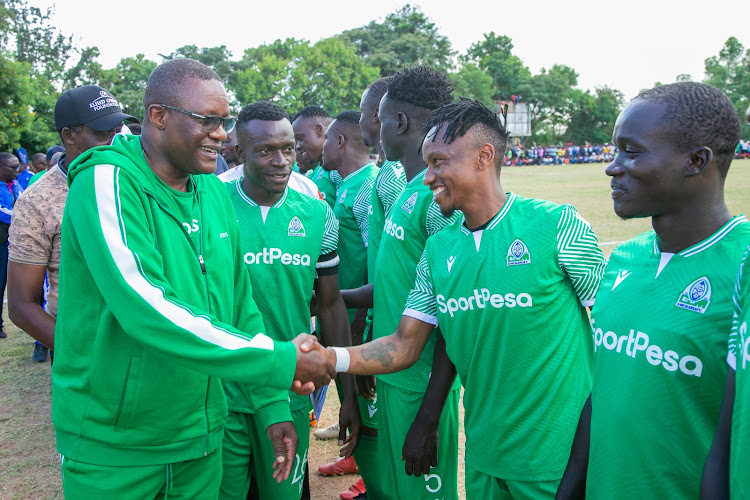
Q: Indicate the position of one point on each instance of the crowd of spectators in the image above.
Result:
(518, 155)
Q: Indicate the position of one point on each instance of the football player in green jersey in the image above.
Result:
(345, 152)
(515, 328)
(289, 244)
(411, 95)
(310, 124)
(725, 473)
(664, 308)
(389, 184)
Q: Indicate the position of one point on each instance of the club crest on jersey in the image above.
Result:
(372, 406)
(295, 227)
(408, 205)
(518, 254)
(697, 296)
(341, 198)
(451, 260)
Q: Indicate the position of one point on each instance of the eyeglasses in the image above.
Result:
(209, 123)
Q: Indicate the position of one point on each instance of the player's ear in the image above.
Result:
(402, 123)
(486, 156)
(157, 115)
(318, 128)
(341, 141)
(699, 159)
(239, 152)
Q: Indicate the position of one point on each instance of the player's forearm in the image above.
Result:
(359, 323)
(440, 384)
(32, 319)
(573, 483)
(715, 484)
(384, 355)
(358, 297)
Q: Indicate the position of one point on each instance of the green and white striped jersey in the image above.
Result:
(281, 247)
(414, 218)
(660, 328)
(351, 209)
(389, 184)
(739, 359)
(509, 300)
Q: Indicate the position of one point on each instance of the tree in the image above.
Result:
(472, 82)
(127, 82)
(549, 96)
(730, 73)
(28, 34)
(263, 71)
(592, 116)
(494, 55)
(16, 92)
(329, 74)
(404, 38)
(217, 58)
(295, 74)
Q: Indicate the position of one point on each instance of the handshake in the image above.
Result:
(315, 365)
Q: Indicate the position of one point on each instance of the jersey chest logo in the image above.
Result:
(697, 296)
(620, 278)
(341, 198)
(450, 261)
(518, 254)
(295, 227)
(408, 205)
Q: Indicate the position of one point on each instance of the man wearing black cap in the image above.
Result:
(85, 117)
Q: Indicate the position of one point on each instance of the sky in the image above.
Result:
(625, 45)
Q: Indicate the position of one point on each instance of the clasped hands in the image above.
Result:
(315, 365)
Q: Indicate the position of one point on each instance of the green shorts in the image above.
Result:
(198, 478)
(398, 409)
(486, 487)
(247, 452)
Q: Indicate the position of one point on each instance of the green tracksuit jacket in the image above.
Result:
(153, 312)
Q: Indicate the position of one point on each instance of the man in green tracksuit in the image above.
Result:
(156, 306)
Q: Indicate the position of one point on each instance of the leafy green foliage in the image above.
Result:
(730, 73)
(405, 38)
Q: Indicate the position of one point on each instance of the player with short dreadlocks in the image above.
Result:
(507, 284)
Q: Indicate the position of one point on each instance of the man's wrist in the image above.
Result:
(342, 359)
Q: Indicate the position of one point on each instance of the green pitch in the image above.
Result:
(587, 188)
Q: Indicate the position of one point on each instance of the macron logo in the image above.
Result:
(620, 278)
(451, 260)
(224, 235)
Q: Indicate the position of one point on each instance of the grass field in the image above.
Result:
(28, 460)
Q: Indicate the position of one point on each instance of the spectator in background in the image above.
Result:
(10, 190)
(38, 163)
(35, 238)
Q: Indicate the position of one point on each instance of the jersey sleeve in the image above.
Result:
(740, 288)
(389, 186)
(30, 242)
(361, 207)
(579, 255)
(330, 233)
(421, 303)
(435, 221)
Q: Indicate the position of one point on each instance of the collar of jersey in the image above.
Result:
(252, 203)
(708, 242)
(417, 178)
(496, 219)
(356, 172)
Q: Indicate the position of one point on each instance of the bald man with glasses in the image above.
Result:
(10, 189)
(156, 307)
